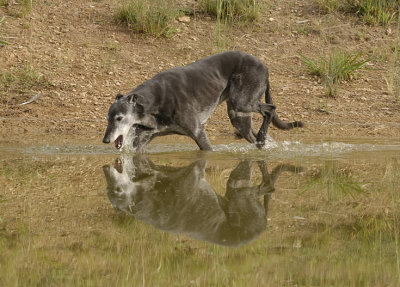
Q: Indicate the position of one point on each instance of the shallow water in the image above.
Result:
(293, 214)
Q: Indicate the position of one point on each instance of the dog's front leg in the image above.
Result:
(141, 139)
(200, 137)
(267, 111)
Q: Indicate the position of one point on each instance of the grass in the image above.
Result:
(23, 79)
(231, 11)
(17, 8)
(394, 82)
(154, 17)
(336, 182)
(329, 6)
(340, 66)
(374, 12)
(2, 42)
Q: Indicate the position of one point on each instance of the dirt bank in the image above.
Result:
(78, 58)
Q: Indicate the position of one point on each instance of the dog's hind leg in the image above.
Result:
(268, 112)
(242, 122)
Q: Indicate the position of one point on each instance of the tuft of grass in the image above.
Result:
(154, 17)
(394, 82)
(3, 43)
(374, 11)
(329, 6)
(339, 67)
(1, 201)
(23, 79)
(17, 8)
(231, 11)
(337, 182)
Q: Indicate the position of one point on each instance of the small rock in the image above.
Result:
(297, 243)
(184, 19)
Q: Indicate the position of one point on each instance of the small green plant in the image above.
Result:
(338, 67)
(233, 11)
(154, 17)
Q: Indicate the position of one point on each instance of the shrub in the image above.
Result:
(340, 66)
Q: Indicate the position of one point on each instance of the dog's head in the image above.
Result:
(121, 116)
(120, 189)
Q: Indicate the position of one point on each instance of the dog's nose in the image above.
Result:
(106, 140)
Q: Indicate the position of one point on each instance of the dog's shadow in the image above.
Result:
(180, 200)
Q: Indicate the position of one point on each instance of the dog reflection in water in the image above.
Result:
(180, 200)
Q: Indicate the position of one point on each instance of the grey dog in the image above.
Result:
(180, 100)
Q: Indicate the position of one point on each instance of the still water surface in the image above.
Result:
(294, 214)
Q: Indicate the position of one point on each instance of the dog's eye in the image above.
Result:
(119, 119)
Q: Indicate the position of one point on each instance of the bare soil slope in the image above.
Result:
(79, 58)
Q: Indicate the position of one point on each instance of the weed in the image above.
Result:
(339, 67)
(303, 30)
(155, 17)
(233, 11)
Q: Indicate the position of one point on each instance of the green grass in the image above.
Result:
(17, 8)
(329, 6)
(2, 42)
(394, 77)
(231, 11)
(336, 182)
(22, 79)
(154, 17)
(340, 66)
(374, 12)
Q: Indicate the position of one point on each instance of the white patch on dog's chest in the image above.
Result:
(206, 113)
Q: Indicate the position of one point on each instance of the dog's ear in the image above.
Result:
(119, 96)
(132, 99)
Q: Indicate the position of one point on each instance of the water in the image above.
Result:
(293, 214)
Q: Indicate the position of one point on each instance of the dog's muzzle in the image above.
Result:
(106, 140)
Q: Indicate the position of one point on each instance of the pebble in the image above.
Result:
(184, 19)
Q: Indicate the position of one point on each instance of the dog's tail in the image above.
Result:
(276, 120)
